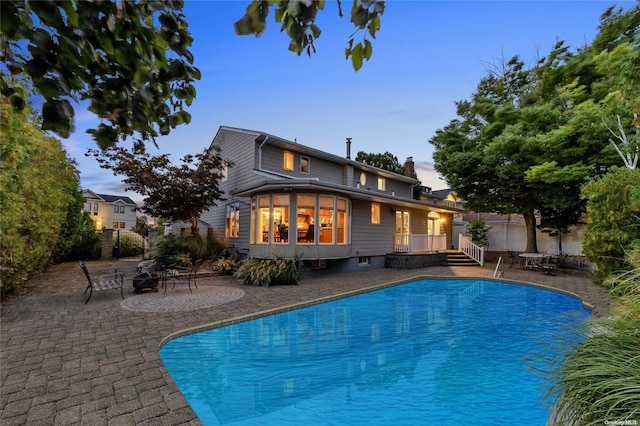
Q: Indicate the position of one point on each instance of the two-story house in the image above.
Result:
(286, 199)
(110, 211)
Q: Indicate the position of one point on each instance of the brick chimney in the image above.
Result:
(409, 167)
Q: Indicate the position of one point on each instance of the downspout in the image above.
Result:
(266, 138)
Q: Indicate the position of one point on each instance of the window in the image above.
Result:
(232, 221)
(304, 165)
(341, 230)
(87, 207)
(263, 219)
(326, 219)
(116, 209)
(306, 218)
(121, 209)
(115, 225)
(375, 214)
(95, 207)
(382, 184)
(363, 179)
(122, 225)
(224, 172)
(280, 218)
(402, 222)
(288, 161)
(364, 260)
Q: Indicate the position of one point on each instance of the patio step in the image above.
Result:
(459, 259)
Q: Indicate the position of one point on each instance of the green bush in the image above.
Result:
(266, 272)
(479, 232)
(171, 245)
(225, 266)
(613, 219)
(38, 181)
(130, 245)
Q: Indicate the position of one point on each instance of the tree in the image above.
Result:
(34, 200)
(298, 18)
(177, 192)
(129, 59)
(386, 161)
(529, 138)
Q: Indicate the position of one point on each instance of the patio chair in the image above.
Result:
(180, 275)
(548, 264)
(102, 283)
(562, 262)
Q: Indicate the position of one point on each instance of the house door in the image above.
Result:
(402, 222)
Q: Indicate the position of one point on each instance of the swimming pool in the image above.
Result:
(446, 352)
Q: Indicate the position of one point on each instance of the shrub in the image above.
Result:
(599, 380)
(479, 232)
(171, 245)
(613, 219)
(225, 266)
(266, 272)
(130, 245)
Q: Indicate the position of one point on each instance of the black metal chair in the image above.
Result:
(102, 283)
(179, 275)
(562, 262)
(548, 264)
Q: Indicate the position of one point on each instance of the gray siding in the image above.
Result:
(326, 171)
(238, 148)
(399, 189)
(368, 239)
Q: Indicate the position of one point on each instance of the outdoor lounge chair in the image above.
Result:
(102, 283)
(179, 275)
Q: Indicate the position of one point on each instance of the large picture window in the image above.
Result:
(341, 219)
(306, 218)
(280, 218)
(232, 222)
(326, 219)
(263, 219)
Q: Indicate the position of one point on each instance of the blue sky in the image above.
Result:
(427, 55)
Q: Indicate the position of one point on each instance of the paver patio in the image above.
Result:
(66, 363)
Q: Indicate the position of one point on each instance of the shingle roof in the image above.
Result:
(114, 198)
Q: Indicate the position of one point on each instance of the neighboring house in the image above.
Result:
(110, 211)
(184, 228)
(287, 199)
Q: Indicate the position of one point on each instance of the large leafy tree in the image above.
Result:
(529, 138)
(298, 19)
(176, 192)
(129, 59)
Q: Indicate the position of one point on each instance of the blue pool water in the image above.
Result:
(445, 352)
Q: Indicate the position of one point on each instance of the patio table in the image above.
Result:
(532, 260)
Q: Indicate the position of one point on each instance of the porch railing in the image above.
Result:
(416, 243)
(474, 251)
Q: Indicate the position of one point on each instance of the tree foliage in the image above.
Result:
(34, 199)
(298, 19)
(613, 218)
(177, 192)
(386, 161)
(528, 139)
(129, 59)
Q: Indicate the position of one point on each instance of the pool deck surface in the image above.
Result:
(66, 363)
